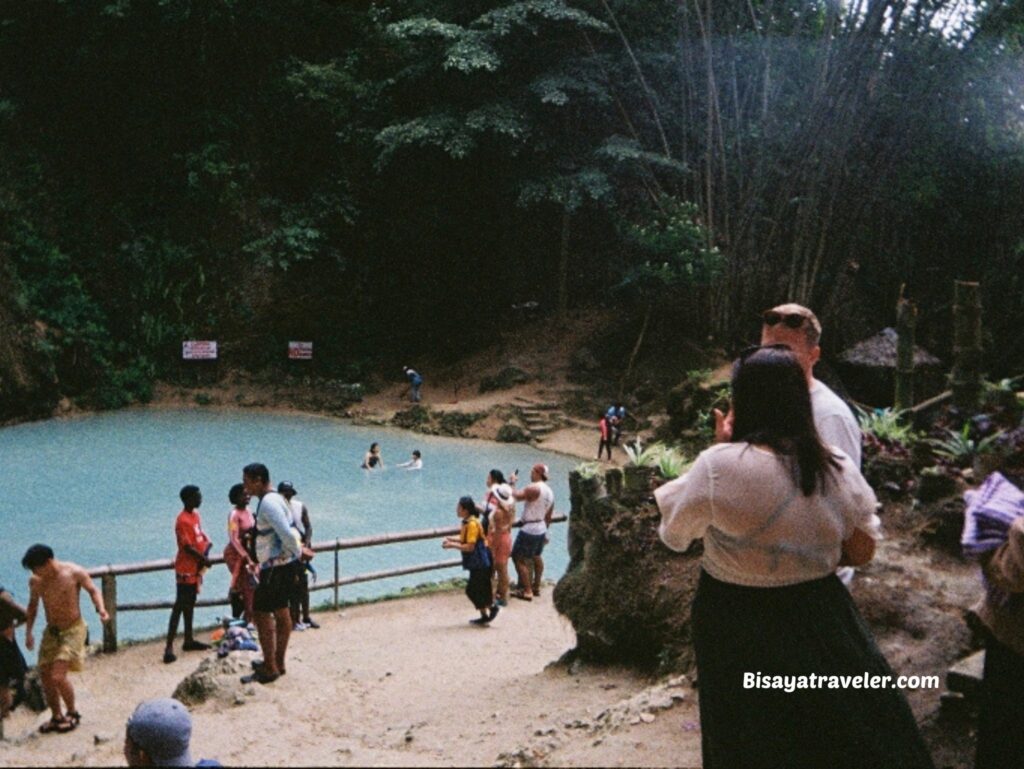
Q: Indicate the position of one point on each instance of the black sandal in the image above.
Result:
(61, 725)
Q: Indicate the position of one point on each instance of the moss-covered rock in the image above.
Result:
(512, 433)
(506, 378)
(626, 594)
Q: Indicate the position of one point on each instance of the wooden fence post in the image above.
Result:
(109, 582)
(337, 575)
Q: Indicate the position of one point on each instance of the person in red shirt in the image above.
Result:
(606, 437)
(189, 565)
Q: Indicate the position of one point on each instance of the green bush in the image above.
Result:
(512, 434)
(412, 417)
(456, 422)
(504, 379)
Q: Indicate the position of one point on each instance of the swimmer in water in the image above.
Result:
(373, 459)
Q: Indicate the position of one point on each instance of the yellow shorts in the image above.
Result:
(66, 645)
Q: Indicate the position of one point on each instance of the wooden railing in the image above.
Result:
(108, 574)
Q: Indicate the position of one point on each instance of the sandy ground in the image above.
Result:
(400, 683)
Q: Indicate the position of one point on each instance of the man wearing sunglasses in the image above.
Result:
(799, 329)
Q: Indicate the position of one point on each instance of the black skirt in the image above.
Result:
(478, 589)
(798, 630)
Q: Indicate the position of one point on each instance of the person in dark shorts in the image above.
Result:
(189, 565)
(278, 551)
(530, 541)
(12, 662)
(299, 605)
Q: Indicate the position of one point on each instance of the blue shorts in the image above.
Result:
(528, 545)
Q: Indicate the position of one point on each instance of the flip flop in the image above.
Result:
(522, 596)
(74, 717)
(59, 725)
(259, 677)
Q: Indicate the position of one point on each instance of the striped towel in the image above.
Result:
(991, 509)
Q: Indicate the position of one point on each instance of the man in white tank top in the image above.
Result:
(530, 541)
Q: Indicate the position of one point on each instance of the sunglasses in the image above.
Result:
(792, 320)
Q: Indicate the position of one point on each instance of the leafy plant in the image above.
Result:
(960, 448)
(643, 457)
(588, 470)
(671, 464)
(886, 425)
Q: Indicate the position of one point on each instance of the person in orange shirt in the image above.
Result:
(189, 565)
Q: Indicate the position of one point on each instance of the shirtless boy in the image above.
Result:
(58, 584)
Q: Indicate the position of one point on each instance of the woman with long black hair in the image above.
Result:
(789, 673)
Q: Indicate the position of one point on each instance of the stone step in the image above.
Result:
(537, 420)
(965, 676)
(534, 406)
(542, 429)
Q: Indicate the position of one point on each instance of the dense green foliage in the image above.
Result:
(388, 178)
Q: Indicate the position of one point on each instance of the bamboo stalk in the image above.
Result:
(967, 351)
(906, 321)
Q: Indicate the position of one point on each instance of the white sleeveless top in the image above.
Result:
(535, 510)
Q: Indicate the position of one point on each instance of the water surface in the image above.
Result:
(104, 489)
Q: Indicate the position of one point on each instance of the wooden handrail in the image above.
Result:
(109, 573)
(165, 564)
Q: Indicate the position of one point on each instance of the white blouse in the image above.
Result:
(759, 529)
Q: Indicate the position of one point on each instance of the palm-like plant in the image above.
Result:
(671, 464)
(960, 448)
(643, 457)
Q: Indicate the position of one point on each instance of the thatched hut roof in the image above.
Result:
(879, 351)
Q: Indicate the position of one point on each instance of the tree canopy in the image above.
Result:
(388, 177)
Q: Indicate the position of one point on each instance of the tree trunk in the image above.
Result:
(563, 268)
(906, 320)
(636, 348)
(966, 376)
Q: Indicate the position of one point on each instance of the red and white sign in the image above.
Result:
(300, 351)
(198, 350)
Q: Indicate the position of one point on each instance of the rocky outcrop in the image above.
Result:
(626, 594)
(218, 678)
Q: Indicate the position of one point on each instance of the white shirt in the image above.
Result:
(277, 539)
(759, 529)
(534, 510)
(835, 422)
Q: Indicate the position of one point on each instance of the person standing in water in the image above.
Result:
(373, 459)
(416, 463)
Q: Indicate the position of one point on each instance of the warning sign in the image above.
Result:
(198, 350)
(300, 350)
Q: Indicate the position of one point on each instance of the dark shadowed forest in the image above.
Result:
(397, 179)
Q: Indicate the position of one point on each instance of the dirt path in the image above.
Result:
(406, 682)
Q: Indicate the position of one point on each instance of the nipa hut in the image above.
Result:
(868, 370)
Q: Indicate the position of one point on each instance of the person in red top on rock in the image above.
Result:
(189, 565)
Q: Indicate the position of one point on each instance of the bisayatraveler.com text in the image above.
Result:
(792, 683)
